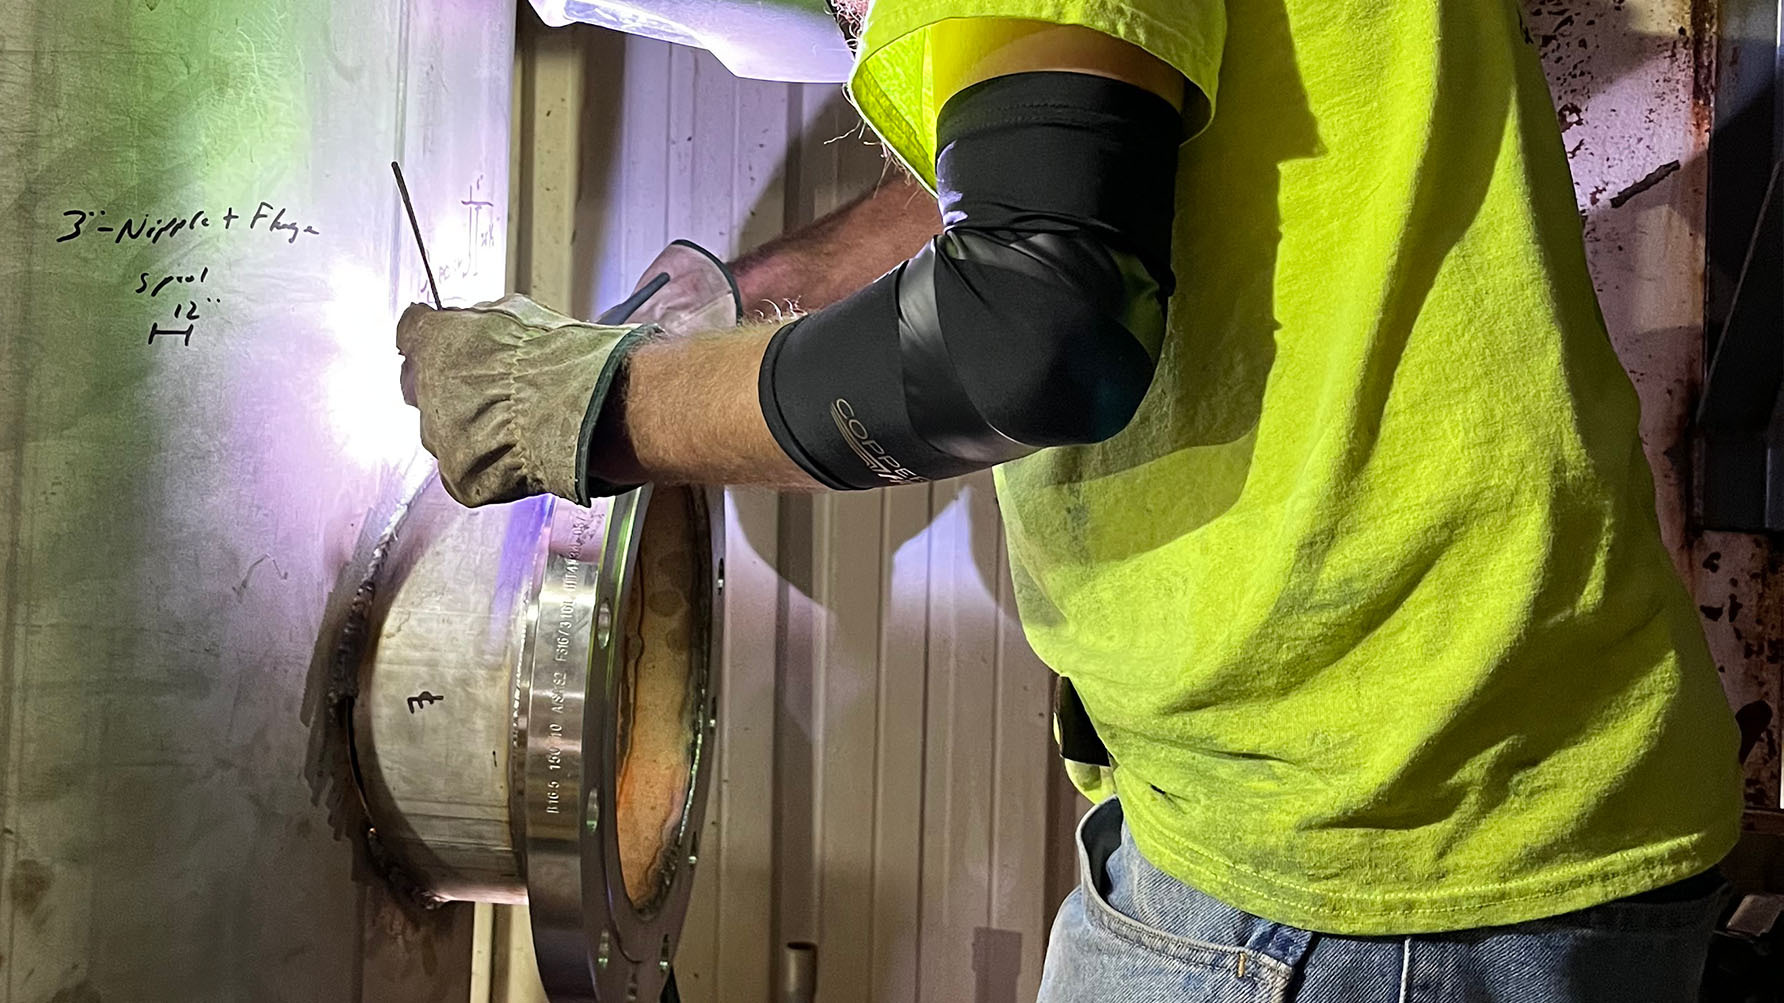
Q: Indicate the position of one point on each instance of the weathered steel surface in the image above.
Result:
(1633, 89)
(200, 440)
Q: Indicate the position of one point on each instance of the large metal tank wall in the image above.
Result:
(201, 441)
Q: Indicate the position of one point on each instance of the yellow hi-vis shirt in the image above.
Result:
(1369, 602)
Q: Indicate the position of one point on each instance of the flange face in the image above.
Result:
(560, 645)
(620, 715)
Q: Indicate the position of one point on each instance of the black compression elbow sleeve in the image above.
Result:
(1034, 320)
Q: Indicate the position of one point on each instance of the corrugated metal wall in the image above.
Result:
(887, 786)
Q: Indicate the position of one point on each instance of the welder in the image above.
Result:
(1321, 480)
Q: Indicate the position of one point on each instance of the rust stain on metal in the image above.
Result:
(1743, 576)
(1703, 63)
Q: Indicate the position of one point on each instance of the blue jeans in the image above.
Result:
(1129, 933)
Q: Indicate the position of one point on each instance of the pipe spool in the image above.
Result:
(535, 715)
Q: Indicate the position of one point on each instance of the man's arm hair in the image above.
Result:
(687, 412)
(839, 253)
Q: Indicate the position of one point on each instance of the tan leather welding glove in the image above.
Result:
(687, 289)
(509, 394)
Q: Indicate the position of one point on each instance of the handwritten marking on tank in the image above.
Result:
(186, 311)
(424, 699)
(89, 226)
(484, 230)
(480, 221)
(138, 227)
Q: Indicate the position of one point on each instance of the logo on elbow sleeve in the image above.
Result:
(884, 465)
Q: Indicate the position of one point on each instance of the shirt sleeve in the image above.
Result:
(892, 84)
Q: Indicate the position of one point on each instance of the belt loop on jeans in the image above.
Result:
(1287, 944)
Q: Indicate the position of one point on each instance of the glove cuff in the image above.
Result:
(588, 486)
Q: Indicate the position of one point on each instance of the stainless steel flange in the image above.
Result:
(535, 719)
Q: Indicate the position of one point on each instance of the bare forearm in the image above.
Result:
(689, 414)
(838, 254)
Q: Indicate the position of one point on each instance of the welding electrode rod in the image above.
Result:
(402, 188)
